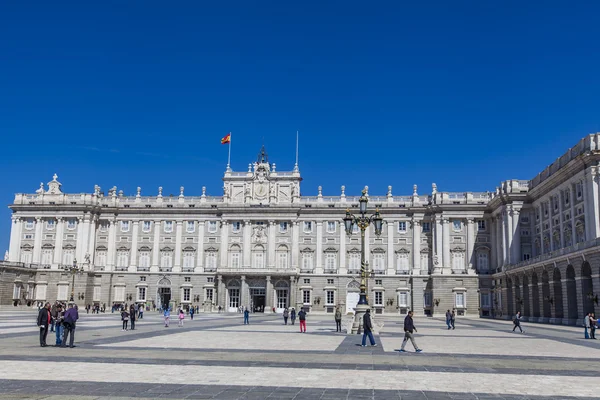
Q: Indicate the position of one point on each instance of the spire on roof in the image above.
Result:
(263, 157)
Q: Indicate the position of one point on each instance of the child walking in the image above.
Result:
(181, 317)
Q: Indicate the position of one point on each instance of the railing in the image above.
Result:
(403, 272)
(557, 253)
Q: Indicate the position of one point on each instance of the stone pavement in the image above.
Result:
(217, 357)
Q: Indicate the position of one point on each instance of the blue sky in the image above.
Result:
(464, 94)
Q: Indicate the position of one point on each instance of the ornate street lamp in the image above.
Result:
(362, 221)
(73, 270)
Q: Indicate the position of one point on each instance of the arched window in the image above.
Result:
(258, 257)
(483, 261)
(282, 257)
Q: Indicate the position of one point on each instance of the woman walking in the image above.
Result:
(167, 315)
(125, 319)
(286, 314)
(181, 317)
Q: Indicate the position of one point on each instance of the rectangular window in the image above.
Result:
(330, 298)
(68, 257)
(307, 226)
(211, 261)
(259, 260)
(306, 296)
(187, 279)
(353, 262)
(456, 225)
(330, 281)
(378, 282)
(210, 279)
(188, 259)
(144, 259)
(481, 225)
(40, 292)
(168, 226)
(330, 261)
(141, 293)
(282, 297)
(459, 300)
(29, 224)
(187, 293)
(235, 259)
(190, 227)
(28, 236)
(282, 260)
(403, 299)
(146, 225)
(579, 190)
(426, 227)
(331, 226)
(482, 261)
(427, 299)
(47, 256)
(402, 266)
(378, 298)
(71, 224)
(485, 300)
(283, 227)
(458, 261)
(234, 298)
(526, 256)
(97, 293)
(306, 281)
(402, 227)
(212, 226)
(166, 260)
(142, 279)
(124, 226)
(208, 294)
(50, 224)
(62, 292)
(307, 264)
(378, 262)
(236, 226)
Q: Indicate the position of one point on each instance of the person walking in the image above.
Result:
(409, 327)
(302, 319)
(593, 322)
(69, 322)
(132, 315)
(43, 321)
(58, 325)
(338, 320)
(368, 329)
(181, 317)
(517, 322)
(141, 311)
(448, 319)
(286, 314)
(246, 316)
(586, 324)
(293, 316)
(453, 318)
(192, 313)
(166, 316)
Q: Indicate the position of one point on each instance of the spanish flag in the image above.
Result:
(226, 139)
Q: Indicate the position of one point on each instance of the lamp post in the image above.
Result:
(362, 221)
(73, 270)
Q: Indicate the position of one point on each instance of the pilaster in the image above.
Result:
(390, 247)
(80, 242)
(438, 256)
(200, 260)
(416, 246)
(295, 245)
(271, 245)
(319, 253)
(224, 244)
(156, 246)
(342, 269)
(270, 296)
(447, 262)
(516, 235)
(37, 242)
(470, 245)
(58, 246)
(178, 241)
(246, 249)
(134, 246)
(15, 239)
(110, 254)
(244, 300)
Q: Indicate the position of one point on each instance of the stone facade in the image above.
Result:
(263, 245)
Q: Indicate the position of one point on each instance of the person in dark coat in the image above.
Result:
(409, 328)
(43, 321)
(293, 315)
(368, 329)
(132, 315)
(69, 322)
(302, 318)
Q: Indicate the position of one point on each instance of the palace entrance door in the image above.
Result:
(258, 299)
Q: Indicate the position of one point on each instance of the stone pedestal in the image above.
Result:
(359, 312)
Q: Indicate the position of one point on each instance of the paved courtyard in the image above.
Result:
(217, 357)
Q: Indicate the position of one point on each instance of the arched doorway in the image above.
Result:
(509, 297)
(257, 290)
(587, 288)
(526, 298)
(233, 300)
(352, 296)
(545, 295)
(163, 293)
(571, 295)
(282, 293)
(535, 293)
(558, 297)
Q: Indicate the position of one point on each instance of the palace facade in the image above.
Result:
(529, 245)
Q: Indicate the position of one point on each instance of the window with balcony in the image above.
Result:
(122, 258)
(402, 262)
(258, 257)
(211, 260)
(353, 261)
(378, 262)
(330, 261)
(282, 257)
(307, 261)
(189, 256)
(68, 256)
(144, 261)
(166, 259)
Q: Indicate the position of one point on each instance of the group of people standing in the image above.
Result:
(591, 324)
(60, 319)
(132, 314)
(292, 315)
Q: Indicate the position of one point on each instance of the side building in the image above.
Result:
(264, 246)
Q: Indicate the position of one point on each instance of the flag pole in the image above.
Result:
(229, 154)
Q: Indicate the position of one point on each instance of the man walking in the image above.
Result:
(71, 317)
(453, 318)
(302, 318)
(43, 321)
(192, 313)
(338, 320)
(517, 322)
(409, 327)
(368, 329)
(448, 320)
(246, 316)
(132, 315)
(586, 324)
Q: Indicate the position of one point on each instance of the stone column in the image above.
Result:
(505, 242)
(224, 244)
(439, 245)
(200, 263)
(295, 245)
(244, 293)
(573, 229)
(516, 236)
(343, 270)
(391, 269)
(565, 299)
(247, 236)
(37, 242)
(470, 245)
(561, 219)
(530, 317)
(509, 237)
(110, 253)
(221, 295)
(92, 239)
(269, 296)
(83, 241)
(58, 246)
(551, 225)
(499, 241)
(553, 304)
(319, 252)
(79, 243)
(178, 241)
(134, 246)
(416, 246)
(156, 247)
(15, 239)
(493, 245)
(446, 244)
(271, 245)
(591, 210)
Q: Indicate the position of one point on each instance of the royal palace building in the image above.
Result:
(529, 246)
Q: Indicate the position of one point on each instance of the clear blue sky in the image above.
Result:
(464, 94)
